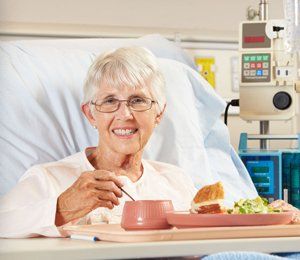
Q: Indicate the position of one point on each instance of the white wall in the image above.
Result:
(194, 19)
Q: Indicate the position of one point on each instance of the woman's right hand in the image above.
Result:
(91, 190)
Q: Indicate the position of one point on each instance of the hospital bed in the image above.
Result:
(65, 248)
(41, 91)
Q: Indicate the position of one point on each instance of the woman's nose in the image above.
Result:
(124, 111)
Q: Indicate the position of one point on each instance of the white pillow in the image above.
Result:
(158, 45)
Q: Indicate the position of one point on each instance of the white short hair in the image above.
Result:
(128, 66)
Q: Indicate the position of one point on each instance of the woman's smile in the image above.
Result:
(125, 132)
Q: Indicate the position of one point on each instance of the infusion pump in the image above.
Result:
(268, 74)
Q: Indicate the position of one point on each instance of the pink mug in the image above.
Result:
(146, 214)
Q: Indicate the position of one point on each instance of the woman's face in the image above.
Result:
(124, 131)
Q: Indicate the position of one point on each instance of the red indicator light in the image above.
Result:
(254, 39)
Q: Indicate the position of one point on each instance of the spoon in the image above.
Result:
(127, 194)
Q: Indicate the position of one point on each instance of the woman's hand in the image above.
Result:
(91, 190)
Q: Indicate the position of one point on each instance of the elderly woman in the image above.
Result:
(124, 100)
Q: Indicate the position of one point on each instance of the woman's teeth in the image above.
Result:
(124, 131)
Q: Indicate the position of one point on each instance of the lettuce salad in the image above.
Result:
(252, 206)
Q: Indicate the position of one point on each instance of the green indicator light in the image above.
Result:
(262, 189)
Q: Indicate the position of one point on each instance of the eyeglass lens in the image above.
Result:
(135, 103)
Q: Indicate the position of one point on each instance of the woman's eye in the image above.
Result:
(110, 101)
(137, 100)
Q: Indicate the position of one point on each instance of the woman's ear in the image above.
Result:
(160, 115)
(86, 109)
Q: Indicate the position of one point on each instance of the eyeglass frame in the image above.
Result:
(127, 104)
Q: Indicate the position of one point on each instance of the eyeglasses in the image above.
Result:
(110, 105)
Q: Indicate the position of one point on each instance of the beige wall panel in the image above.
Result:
(193, 18)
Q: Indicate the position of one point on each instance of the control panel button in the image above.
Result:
(259, 65)
(252, 72)
(282, 100)
(246, 72)
(259, 58)
(246, 58)
(265, 72)
(253, 58)
(265, 57)
(252, 65)
(258, 72)
(247, 65)
(265, 65)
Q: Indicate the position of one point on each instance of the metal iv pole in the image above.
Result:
(263, 125)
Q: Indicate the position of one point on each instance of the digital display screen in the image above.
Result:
(263, 189)
(260, 169)
(254, 39)
(260, 179)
